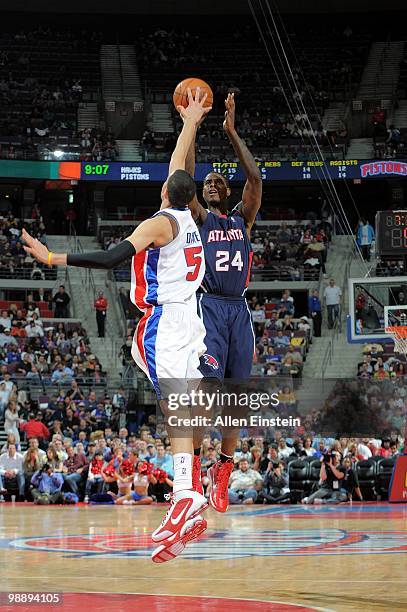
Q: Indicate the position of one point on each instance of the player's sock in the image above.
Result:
(182, 471)
(223, 458)
(197, 452)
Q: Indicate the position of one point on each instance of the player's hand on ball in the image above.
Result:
(229, 123)
(35, 248)
(195, 109)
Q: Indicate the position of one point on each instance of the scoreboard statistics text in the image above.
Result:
(273, 170)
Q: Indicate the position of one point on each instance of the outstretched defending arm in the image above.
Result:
(191, 116)
(251, 198)
(197, 210)
(152, 232)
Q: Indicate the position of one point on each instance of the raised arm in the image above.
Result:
(197, 210)
(251, 198)
(191, 116)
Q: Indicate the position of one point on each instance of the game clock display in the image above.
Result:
(391, 233)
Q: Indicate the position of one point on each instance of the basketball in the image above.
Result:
(180, 97)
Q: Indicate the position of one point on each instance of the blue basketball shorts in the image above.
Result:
(229, 339)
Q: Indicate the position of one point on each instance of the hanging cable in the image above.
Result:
(326, 181)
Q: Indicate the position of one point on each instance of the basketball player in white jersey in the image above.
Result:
(167, 268)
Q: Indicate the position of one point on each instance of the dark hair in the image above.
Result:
(181, 188)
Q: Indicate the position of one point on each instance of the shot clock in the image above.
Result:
(391, 233)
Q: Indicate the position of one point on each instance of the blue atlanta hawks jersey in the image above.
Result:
(228, 254)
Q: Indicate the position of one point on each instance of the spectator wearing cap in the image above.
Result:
(35, 428)
(6, 339)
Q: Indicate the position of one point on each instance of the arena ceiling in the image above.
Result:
(206, 7)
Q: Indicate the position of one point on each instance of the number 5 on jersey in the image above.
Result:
(193, 257)
(222, 261)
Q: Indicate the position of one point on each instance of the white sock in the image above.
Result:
(182, 471)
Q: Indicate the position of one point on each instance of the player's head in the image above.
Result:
(179, 190)
(216, 191)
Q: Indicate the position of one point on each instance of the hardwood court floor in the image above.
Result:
(331, 557)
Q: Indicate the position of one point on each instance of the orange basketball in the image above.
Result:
(180, 96)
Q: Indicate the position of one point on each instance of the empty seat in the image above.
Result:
(366, 472)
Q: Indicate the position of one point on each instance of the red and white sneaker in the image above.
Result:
(219, 475)
(190, 531)
(184, 506)
(196, 475)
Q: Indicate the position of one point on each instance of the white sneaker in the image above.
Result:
(191, 530)
(184, 506)
(86, 500)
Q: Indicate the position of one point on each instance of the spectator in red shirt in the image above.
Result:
(101, 309)
(34, 428)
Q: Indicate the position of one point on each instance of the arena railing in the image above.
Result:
(25, 273)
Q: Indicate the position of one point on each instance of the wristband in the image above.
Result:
(50, 254)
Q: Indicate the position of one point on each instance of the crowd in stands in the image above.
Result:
(290, 252)
(285, 252)
(79, 448)
(35, 353)
(44, 75)
(388, 140)
(380, 362)
(266, 126)
(97, 145)
(14, 261)
(282, 341)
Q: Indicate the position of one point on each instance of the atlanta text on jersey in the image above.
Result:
(225, 235)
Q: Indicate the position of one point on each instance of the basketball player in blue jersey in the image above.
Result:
(167, 269)
(229, 339)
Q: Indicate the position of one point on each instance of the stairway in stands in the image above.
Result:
(399, 117)
(129, 150)
(82, 293)
(161, 119)
(360, 148)
(130, 74)
(334, 116)
(88, 115)
(120, 75)
(382, 71)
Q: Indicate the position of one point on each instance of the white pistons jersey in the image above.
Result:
(169, 338)
(172, 273)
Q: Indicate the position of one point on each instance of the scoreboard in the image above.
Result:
(391, 233)
(273, 170)
(270, 170)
